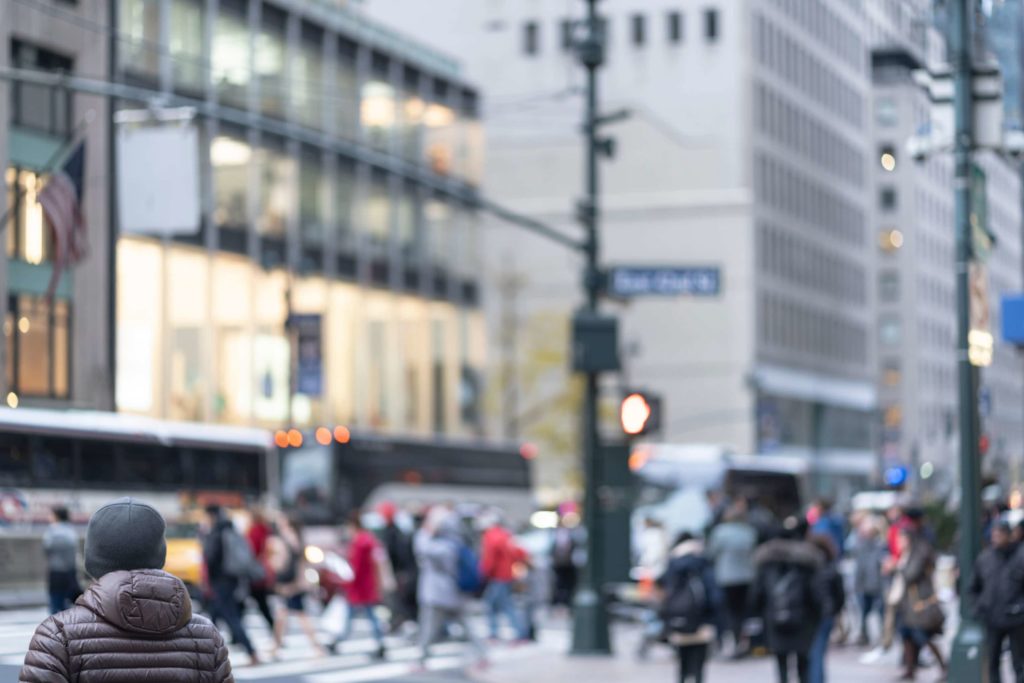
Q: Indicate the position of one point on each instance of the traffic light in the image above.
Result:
(640, 413)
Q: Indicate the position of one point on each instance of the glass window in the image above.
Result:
(675, 27)
(230, 59)
(440, 137)
(531, 38)
(312, 195)
(277, 182)
(38, 347)
(37, 106)
(53, 460)
(889, 286)
(407, 216)
(639, 30)
(29, 237)
(270, 75)
(376, 214)
(413, 108)
(140, 30)
(886, 112)
(567, 31)
(437, 217)
(377, 112)
(15, 460)
(887, 198)
(309, 83)
(344, 200)
(230, 158)
(346, 95)
(98, 462)
(711, 28)
(186, 44)
(306, 476)
(890, 331)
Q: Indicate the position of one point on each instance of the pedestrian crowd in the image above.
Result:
(792, 587)
(411, 575)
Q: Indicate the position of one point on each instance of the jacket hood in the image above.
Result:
(148, 601)
(687, 548)
(789, 552)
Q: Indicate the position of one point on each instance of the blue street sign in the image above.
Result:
(309, 364)
(629, 281)
(985, 402)
(1013, 318)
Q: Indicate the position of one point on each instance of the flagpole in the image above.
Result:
(69, 143)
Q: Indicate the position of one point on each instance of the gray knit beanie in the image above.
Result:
(124, 534)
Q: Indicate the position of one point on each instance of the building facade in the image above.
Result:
(331, 276)
(754, 162)
(55, 353)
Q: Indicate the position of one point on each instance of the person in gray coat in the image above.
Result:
(731, 547)
(437, 546)
(60, 543)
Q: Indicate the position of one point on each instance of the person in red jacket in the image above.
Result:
(260, 591)
(498, 557)
(363, 591)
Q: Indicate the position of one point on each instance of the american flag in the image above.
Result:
(61, 200)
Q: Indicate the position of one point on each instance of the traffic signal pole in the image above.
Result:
(590, 618)
(968, 647)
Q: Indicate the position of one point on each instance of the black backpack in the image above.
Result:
(787, 601)
(686, 603)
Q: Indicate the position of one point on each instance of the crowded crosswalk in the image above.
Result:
(298, 661)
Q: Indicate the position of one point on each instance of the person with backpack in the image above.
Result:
(831, 594)
(135, 623)
(689, 599)
(731, 547)
(998, 592)
(442, 591)
(286, 553)
(363, 592)
(230, 567)
(498, 552)
(785, 594)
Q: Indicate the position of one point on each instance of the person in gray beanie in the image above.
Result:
(134, 612)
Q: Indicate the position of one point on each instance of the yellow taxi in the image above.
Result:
(185, 555)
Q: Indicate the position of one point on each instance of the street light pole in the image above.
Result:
(965, 659)
(590, 618)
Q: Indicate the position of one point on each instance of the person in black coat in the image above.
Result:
(690, 629)
(998, 592)
(785, 593)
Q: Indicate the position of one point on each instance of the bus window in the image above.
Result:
(243, 471)
(15, 460)
(53, 460)
(306, 475)
(150, 465)
(212, 469)
(98, 462)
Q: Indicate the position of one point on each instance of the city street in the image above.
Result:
(545, 662)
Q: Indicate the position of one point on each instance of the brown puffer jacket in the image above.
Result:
(128, 627)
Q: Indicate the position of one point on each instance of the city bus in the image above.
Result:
(326, 474)
(81, 459)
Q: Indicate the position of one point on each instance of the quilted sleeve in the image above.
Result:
(222, 667)
(47, 657)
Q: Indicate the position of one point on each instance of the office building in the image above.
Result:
(331, 274)
(746, 149)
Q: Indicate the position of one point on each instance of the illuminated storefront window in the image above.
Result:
(29, 237)
(38, 348)
(378, 113)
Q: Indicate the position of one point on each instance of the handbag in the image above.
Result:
(927, 614)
